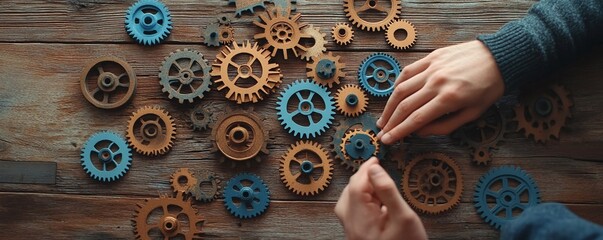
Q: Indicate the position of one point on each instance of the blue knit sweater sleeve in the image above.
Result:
(553, 33)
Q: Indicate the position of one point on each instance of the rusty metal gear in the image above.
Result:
(201, 118)
(166, 218)
(306, 168)
(353, 13)
(282, 32)
(151, 131)
(226, 34)
(257, 68)
(108, 82)
(543, 113)
(182, 180)
(342, 33)
(208, 186)
(358, 146)
(211, 35)
(401, 25)
(224, 19)
(432, 183)
(351, 100)
(319, 42)
(184, 75)
(326, 69)
(483, 135)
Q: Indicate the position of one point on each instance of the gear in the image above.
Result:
(246, 196)
(401, 25)
(284, 5)
(148, 22)
(301, 115)
(211, 35)
(108, 82)
(282, 32)
(483, 135)
(237, 86)
(247, 5)
(239, 135)
(151, 131)
(306, 168)
(378, 73)
(182, 180)
(358, 146)
(106, 156)
(365, 123)
(366, 23)
(504, 193)
(319, 42)
(224, 19)
(342, 33)
(432, 183)
(184, 74)
(200, 192)
(167, 218)
(543, 113)
(201, 118)
(398, 154)
(326, 69)
(226, 35)
(351, 100)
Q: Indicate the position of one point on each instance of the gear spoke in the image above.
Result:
(105, 98)
(100, 69)
(520, 189)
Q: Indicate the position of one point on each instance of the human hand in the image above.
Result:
(370, 207)
(441, 92)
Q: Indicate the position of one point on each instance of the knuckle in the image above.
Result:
(451, 96)
(418, 118)
(438, 79)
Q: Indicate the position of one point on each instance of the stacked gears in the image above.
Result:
(204, 185)
(326, 69)
(108, 82)
(106, 156)
(342, 34)
(184, 75)
(358, 14)
(351, 101)
(151, 131)
(148, 22)
(246, 196)
(378, 74)
(401, 25)
(306, 168)
(220, 33)
(483, 135)
(355, 141)
(282, 33)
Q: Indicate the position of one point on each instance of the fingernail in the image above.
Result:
(386, 138)
(379, 122)
(379, 135)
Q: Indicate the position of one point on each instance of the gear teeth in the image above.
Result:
(236, 189)
(116, 146)
(164, 121)
(342, 34)
(211, 35)
(354, 17)
(379, 75)
(365, 122)
(313, 72)
(190, 229)
(137, 32)
(411, 34)
(319, 42)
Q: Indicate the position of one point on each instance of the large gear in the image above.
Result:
(342, 33)
(106, 156)
(247, 5)
(503, 193)
(207, 187)
(151, 131)
(211, 35)
(305, 109)
(543, 113)
(167, 218)
(201, 118)
(354, 14)
(326, 69)
(365, 123)
(378, 73)
(282, 32)
(148, 22)
(319, 42)
(238, 87)
(182, 180)
(108, 82)
(432, 183)
(401, 25)
(246, 196)
(351, 100)
(483, 135)
(306, 168)
(184, 75)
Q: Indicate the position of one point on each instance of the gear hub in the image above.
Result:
(326, 69)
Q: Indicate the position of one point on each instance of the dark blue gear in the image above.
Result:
(251, 195)
(365, 122)
(326, 68)
(148, 22)
(379, 79)
(511, 183)
(360, 147)
(106, 156)
(302, 93)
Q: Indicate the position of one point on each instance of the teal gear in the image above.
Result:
(366, 122)
(185, 75)
(360, 147)
(106, 156)
(379, 79)
(148, 22)
(246, 196)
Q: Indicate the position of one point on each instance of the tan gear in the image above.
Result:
(401, 44)
(319, 42)
(282, 32)
(306, 168)
(342, 33)
(182, 180)
(353, 13)
(355, 163)
(335, 71)
(102, 82)
(351, 100)
(151, 131)
(226, 34)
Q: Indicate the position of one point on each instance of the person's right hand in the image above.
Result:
(441, 92)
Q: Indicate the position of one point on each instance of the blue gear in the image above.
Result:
(379, 80)
(252, 195)
(365, 122)
(306, 108)
(506, 197)
(148, 22)
(325, 68)
(360, 147)
(106, 156)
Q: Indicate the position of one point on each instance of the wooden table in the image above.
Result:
(44, 118)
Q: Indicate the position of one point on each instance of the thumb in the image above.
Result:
(385, 188)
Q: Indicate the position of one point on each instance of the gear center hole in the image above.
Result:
(543, 107)
(239, 135)
(306, 107)
(351, 99)
(170, 224)
(307, 167)
(150, 131)
(247, 194)
(245, 71)
(372, 3)
(342, 32)
(400, 34)
(435, 180)
(182, 180)
(105, 155)
(359, 144)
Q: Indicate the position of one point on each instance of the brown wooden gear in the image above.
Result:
(401, 44)
(182, 180)
(351, 100)
(257, 60)
(282, 32)
(151, 131)
(226, 34)
(336, 70)
(342, 33)
(319, 42)
(108, 82)
(353, 13)
(306, 168)
(432, 183)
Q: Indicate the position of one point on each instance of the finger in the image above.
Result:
(385, 189)
(401, 91)
(359, 183)
(412, 70)
(449, 124)
(407, 107)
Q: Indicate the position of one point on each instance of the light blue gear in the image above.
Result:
(379, 80)
(106, 156)
(251, 193)
(306, 108)
(148, 22)
(506, 198)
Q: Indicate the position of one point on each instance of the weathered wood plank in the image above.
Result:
(28, 172)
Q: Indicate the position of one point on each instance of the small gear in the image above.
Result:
(543, 113)
(238, 87)
(305, 109)
(351, 100)
(224, 19)
(364, 122)
(326, 69)
(319, 42)
(201, 118)
(401, 25)
(151, 131)
(184, 74)
(246, 196)
(306, 168)
(367, 23)
(182, 180)
(378, 73)
(247, 5)
(282, 33)
(358, 146)
(211, 35)
(483, 135)
(108, 82)
(167, 218)
(432, 183)
(148, 22)
(106, 156)
(342, 33)
(226, 35)
(207, 187)
(503, 193)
